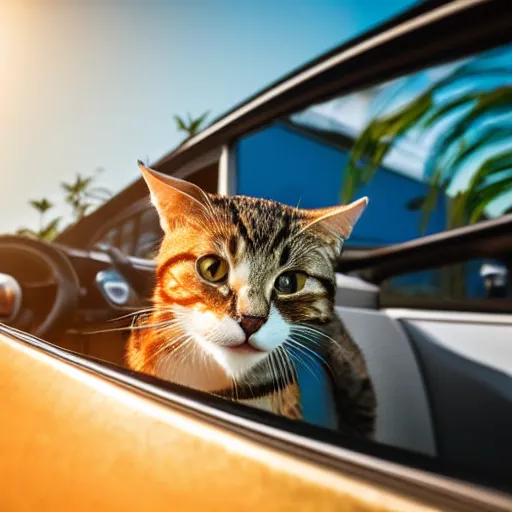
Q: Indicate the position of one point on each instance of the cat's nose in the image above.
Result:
(250, 324)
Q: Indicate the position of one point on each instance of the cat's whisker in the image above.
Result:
(281, 371)
(145, 311)
(277, 374)
(302, 339)
(178, 350)
(317, 332)
(339, 347)
(315, 354)
(132, 327)
(289, 369)
(171, 348)
(282, 368)
(302, 349)
(289, 363)
(308, 327)
(247, 382)
(300, 342)
(183, 352)
(273, 373)
(234, 389)
(119, 329)
(305, 333)
(303, 362)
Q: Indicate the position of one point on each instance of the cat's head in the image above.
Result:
(239, 273)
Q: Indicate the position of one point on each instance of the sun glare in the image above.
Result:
(9, 24)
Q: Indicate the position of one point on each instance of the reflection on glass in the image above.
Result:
(128, 239)
(150, 235)
(473, 280)
(111, 239)
(431, 150)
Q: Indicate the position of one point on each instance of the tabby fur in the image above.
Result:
(193, 334)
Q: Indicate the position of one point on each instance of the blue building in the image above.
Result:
(290, 165)
(293, 164)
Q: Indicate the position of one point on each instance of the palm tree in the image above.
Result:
(82, 196)
(474, 122)
(190, 126)
(42, 206)
(47, 231)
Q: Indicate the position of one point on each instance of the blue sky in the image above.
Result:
(89, 84)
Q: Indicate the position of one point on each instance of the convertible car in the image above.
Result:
(415, 114)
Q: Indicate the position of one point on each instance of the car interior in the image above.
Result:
(440, 359)
(455, 406)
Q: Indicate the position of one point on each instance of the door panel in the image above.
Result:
(484, 343)
(72, 438)
(466, 361)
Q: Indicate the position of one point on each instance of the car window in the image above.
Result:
(431, 150)
(128, 235)
(139, 234)
(136, 235)
(463, 283)
(111, 238)
(150, 234)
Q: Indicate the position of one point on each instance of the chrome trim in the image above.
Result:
(449, 316)
(12, 294)
(95, 255)
(227, 171)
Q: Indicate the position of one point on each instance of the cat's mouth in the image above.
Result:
(245, 348)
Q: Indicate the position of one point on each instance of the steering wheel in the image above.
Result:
(28, 267)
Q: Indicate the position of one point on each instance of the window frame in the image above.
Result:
(137, 208)
(487, 239)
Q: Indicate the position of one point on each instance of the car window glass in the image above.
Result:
(111, 238)
(128, 236)
(459, 285)
(138, 235)
(150, 234)
(431, 150)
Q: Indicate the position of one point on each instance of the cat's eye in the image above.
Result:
(212, 268)
(290, 282)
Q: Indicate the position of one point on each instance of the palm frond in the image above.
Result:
(50, 231)
(475, 119)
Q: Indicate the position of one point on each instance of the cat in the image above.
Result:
(245, 287)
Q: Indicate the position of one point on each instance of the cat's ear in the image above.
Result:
(339, 220)
(173, 197)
